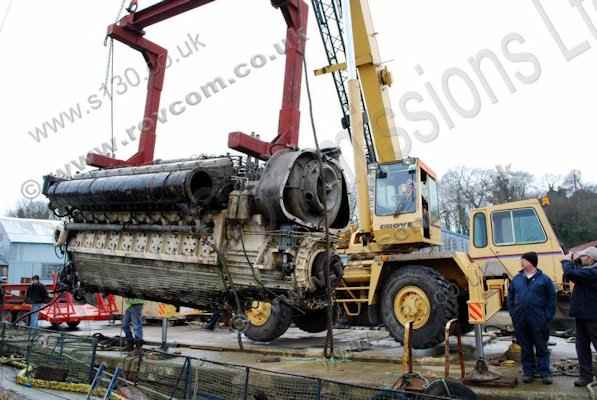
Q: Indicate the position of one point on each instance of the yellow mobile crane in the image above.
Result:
(396, 271)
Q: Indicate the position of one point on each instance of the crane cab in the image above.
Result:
(406, 204)
(501, 234)
(405, 208)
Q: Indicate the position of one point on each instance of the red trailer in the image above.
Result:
(62, 307)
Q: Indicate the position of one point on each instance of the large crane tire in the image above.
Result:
(420, 294)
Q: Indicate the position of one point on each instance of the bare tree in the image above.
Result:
(548, 183)
(31, 209)
(573, 182)
(509, 185)
(463, 189)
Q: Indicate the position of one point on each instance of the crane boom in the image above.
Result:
(329, 21)
(375, 78)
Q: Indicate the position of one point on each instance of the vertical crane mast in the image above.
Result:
(356, 121)
(328, 16)
(375, 79)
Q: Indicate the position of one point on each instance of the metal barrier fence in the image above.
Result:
(66, 357)
(197, 379)
(70, 358)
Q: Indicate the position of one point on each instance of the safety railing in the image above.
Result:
(49, 354)
(62, 357)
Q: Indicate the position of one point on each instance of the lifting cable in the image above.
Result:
(258, 280)
(109, 81)
(229, 286)
(241, 233)
(57, 294)
(328, 350)
(109, 76)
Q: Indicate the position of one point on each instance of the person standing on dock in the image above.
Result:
(37, 295)
(532, 306)
(133, 316)
(581, 269)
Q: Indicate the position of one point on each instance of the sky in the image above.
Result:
(476, 83)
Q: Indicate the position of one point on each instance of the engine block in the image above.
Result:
(198, 232)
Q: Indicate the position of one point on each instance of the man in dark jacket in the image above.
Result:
(37, 295)
(583, 307)
(532, 306)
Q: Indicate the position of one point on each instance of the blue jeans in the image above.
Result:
(534, 352)
(34, 317)
(133, 315)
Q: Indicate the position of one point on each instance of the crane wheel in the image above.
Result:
(267, 320)
(313, 321)
(422, 295)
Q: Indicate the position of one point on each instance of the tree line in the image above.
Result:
(572, 207)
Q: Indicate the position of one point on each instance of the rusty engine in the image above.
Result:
(209, 231)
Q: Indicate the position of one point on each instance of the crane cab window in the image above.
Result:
(396, 189)
(430, 196)
(480, 230)
(520, 226)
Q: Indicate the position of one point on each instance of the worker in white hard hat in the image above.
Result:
(581, 269)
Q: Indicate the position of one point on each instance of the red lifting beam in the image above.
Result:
(129, 30)
(296, 14)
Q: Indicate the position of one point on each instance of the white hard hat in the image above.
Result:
(589, 252)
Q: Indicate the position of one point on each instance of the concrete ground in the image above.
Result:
(9, 390)
(363, 356)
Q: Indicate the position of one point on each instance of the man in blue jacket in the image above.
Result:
(532, 306)
(583, 307)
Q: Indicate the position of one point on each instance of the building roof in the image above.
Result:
(20, 230)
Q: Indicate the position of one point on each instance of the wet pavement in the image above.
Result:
(363, 356)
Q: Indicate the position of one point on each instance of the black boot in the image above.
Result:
(583, 381)
(139, 345)
(130, 345)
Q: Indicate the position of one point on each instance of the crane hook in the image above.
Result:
(132, 6)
